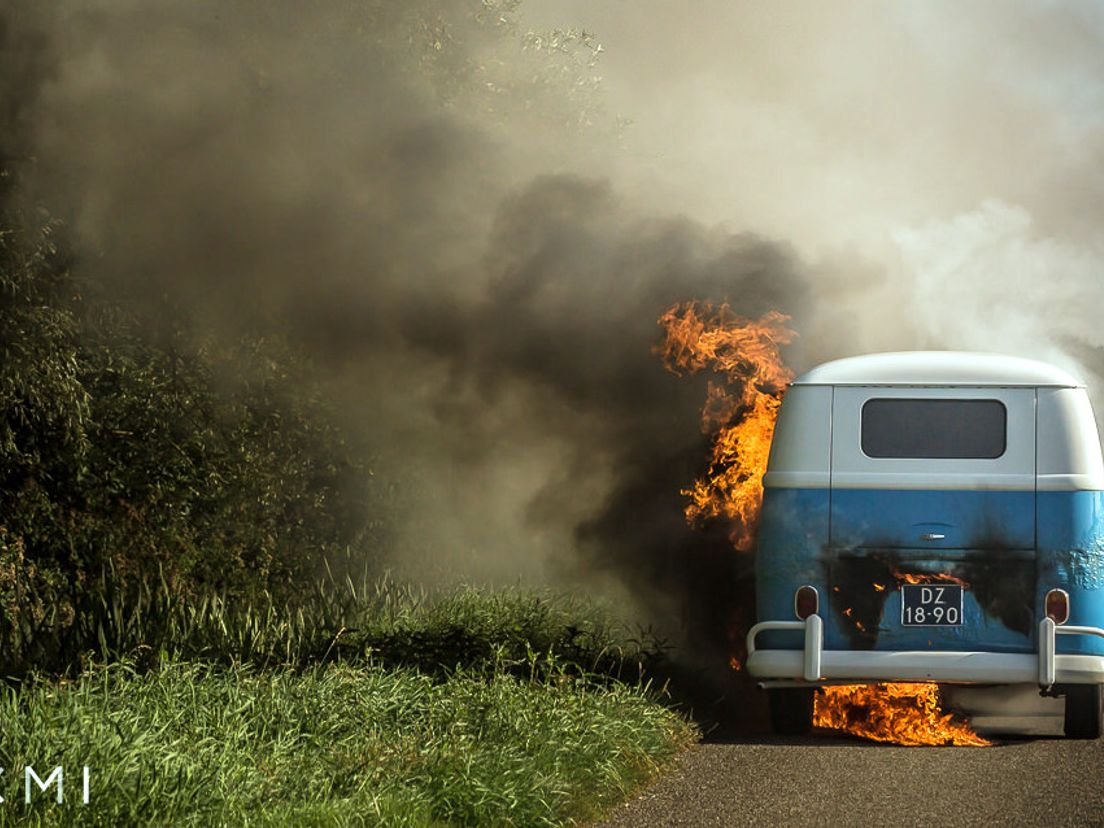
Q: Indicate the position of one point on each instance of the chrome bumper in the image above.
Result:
(814, 665)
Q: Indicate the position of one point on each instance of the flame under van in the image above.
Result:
(932, 516)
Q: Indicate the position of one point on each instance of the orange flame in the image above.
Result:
(740, 412)
(904, 713)
(926, 578)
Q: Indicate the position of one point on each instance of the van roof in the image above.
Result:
(938, 368)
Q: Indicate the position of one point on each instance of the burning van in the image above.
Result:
(932, 517)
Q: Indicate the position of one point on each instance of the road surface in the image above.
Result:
(833, 780)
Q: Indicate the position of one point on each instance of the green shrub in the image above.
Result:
(130, 463)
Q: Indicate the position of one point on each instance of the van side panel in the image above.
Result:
(1069, 457)
(792, 533)
(1071, 557)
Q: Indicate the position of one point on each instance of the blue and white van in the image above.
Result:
(932, 516)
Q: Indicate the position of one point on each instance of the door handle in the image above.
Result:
(932, 536)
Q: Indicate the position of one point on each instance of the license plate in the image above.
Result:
(931, 605)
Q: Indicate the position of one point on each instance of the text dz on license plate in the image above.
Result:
(931, 605)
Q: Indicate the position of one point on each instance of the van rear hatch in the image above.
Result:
(932, 486)
(933, 468)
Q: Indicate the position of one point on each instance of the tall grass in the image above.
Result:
(363, 702)
(336, 744)
(351, 620)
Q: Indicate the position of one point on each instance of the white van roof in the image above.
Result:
(938, 368)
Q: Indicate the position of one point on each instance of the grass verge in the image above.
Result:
(363, 704)
(336, 744)
(342, 619)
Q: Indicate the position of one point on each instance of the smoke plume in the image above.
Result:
(936, 166)
(446, 214)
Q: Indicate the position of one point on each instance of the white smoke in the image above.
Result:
(987, 280)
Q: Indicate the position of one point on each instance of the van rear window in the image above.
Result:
(929, 428)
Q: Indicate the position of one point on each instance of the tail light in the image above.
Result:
(806, 601)
(1057, 606)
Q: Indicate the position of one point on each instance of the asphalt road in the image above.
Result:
(830, 780)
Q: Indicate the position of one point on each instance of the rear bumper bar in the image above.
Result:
(813, 664)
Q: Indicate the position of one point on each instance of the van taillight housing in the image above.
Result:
(1057, 606)
(806, 601)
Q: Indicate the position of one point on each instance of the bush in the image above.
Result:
(131, 464)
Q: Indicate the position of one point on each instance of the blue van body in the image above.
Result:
(1005, 497)
(1068, 555)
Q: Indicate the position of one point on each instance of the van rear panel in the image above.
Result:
(927, 519)
(860, 585)
(932, 485)
(864, 606)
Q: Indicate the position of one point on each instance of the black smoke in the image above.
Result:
(478, 299)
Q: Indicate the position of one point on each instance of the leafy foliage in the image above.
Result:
(127, 460)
